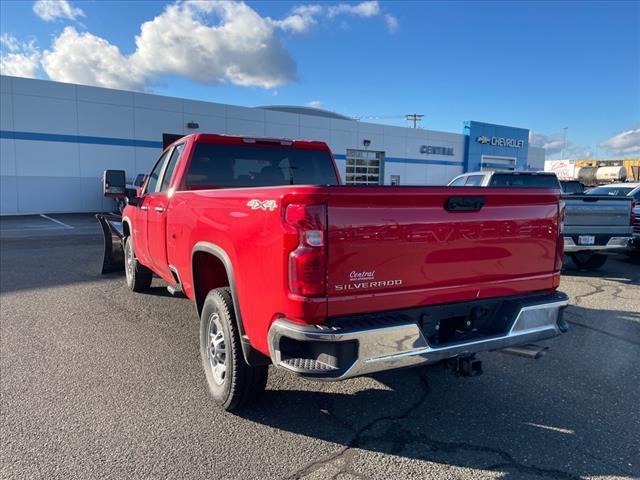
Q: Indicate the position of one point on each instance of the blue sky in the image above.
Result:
(537, 65)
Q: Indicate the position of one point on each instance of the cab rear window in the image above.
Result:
(612, 191)
(258, 166)
(524, 181)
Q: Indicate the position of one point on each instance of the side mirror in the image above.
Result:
(114, 184)
(133, 200)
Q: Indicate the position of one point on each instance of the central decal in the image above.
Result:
(357, 276)
(365, 280)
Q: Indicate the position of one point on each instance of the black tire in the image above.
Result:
(588, 261)
(137, 275)
(237, 384)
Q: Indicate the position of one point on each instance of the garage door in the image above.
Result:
(495, 163)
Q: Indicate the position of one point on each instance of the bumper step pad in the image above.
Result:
(307, 365)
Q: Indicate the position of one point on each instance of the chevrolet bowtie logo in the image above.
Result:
(483, 139)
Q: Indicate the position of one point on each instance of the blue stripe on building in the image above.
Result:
(54, 137)
(423, 161)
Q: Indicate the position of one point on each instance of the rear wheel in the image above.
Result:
(588, 261)
(138, 276)
(232, 382)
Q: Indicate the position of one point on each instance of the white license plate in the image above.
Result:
(586, 239)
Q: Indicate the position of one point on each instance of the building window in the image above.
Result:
(364, 167)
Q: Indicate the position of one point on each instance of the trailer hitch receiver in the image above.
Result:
(465, 366)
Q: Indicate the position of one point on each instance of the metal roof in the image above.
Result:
(318, 112)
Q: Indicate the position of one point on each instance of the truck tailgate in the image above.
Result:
(601, 212)
(398, 247)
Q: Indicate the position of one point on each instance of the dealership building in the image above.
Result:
(58, 138)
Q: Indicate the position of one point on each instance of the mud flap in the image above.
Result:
(113, 233)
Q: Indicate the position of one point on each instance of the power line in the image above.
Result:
(378, 117)
(415, 118)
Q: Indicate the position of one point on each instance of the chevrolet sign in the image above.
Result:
(500, 141)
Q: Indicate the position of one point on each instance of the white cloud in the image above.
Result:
(308, 10)
(301, 19)
(578, 152)
(623, 143)
(314, 104)
(208, 42)
(554, 143)
(50, 10)
(90, 60)
(392, 22)
(363, 9)
(18, 65)
(21, 59)
(9, 42)
(242, 47)
(551, 143)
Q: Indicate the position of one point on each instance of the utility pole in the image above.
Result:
(564, 142)
(415, 118)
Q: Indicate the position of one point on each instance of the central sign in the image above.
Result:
(434, 150)
(500, 141)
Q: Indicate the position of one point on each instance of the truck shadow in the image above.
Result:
(619, 268)
(546, 418)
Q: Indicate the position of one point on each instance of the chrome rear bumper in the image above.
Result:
(404, 345)
(615, 244)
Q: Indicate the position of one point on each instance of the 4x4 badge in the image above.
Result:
(255, 204)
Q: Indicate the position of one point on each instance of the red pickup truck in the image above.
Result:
(288, 267)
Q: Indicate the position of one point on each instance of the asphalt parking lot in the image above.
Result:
(99, 382)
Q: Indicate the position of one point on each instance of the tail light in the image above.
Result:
(308, 262)
(561, 216)
(632, 219)
(560, 242)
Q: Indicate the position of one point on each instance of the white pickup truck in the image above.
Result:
(596, 224)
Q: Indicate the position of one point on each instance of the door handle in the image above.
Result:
(159, 209)
(464, 204)
(144, 208)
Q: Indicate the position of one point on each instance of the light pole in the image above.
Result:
(564, 142)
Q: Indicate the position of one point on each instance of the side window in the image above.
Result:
(152, 183)
(458, 182)
(474, 180)
(171, 166)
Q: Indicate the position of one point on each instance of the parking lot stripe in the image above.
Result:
(56, 221)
